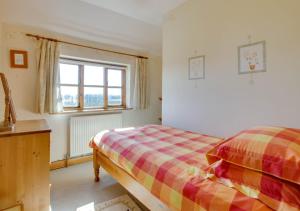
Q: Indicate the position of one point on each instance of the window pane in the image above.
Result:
(93, 75)
(114, 96)
(69, 74)
(69, 96)
(93, 97)
(114, 77)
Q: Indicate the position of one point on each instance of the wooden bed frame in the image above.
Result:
(127, 181)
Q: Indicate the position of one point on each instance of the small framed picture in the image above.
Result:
(18, 59)
(196, 67)
(252, 58)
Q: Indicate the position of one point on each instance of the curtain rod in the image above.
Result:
(85, 46)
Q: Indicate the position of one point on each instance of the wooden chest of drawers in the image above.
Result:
(24, 166)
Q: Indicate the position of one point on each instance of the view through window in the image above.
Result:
(86, 85)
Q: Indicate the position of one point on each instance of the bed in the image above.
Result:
(166, 168)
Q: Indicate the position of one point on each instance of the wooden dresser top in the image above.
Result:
(28, 127)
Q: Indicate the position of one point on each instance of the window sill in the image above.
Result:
(95, 111)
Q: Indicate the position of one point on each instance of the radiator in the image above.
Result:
(83, 128)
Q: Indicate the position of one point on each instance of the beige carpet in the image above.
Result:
(74, 187)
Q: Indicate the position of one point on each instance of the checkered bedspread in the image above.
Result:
(171, 164)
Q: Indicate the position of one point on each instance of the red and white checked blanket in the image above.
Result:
(171, 164)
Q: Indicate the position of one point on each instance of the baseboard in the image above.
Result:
(58, 164)
(70, 162)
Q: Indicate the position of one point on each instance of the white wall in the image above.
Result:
(80, 19)
(226, 102)
(23, 82)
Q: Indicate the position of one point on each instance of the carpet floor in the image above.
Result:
(74, 187)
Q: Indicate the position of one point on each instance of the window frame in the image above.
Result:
(105, 86)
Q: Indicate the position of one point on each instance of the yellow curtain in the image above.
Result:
(140, 89)
(48, 90)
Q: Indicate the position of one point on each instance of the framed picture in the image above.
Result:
(197, 67)
(18, 59)
(252, 58)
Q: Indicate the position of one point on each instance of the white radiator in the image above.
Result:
(83, 128)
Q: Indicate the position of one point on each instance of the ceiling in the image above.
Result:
(150, 11)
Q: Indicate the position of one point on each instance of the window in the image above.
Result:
(87, 85)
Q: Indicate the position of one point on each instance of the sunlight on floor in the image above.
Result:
(87, 207)
(121, 203)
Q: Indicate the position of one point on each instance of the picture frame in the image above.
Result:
(197, 68)
(18, 59)
(252, 58)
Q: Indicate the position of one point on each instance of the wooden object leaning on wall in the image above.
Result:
(9, 114)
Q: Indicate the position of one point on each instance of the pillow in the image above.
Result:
(276, 193)
(272, 150)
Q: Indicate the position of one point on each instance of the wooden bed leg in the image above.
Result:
(96, 166)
